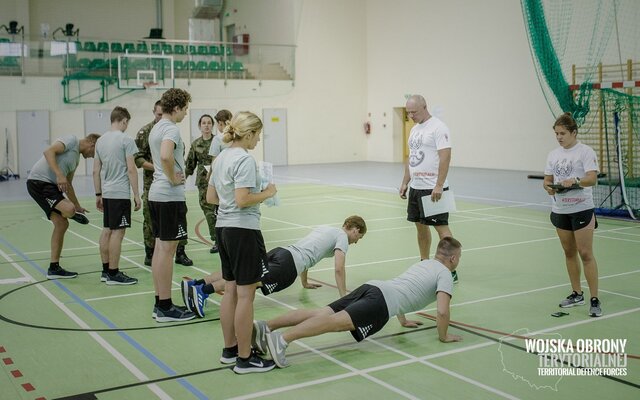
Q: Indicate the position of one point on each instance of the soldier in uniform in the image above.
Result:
(199, 161)
(143, 160)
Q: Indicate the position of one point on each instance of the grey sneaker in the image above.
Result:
(595, 310)
(574, 299)
(120, 279)
(175, 313)
(277, 348)
(259, 336)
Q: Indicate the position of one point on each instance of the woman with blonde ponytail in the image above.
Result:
(235, 186)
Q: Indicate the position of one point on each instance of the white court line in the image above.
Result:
(122, 295)
(28, 253)
(108, 347)
(619, 294)
(13, 281)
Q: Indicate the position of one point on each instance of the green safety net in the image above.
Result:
(574, 44)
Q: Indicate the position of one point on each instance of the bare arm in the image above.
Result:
(97, 182)
(212, 195)
(405, 181)
(50, 155)
(340, 273)
(589, 179)
(443, 171)
(168, 162)
(442, 318)
(132, 172)
(244, 198)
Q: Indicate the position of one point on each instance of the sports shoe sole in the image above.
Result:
(242, 371)
(114, 283)
(184, 288)
(579, 303)
(172, 319)
(227, 360)
(80, 218)
(61, 276)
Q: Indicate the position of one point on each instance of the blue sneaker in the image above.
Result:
(185, 287)
(198, 298)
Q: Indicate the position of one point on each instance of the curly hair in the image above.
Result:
(241, 125)
(173, 98)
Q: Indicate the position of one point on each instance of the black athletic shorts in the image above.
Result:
(575, 221)
(46, 194)
(117, 213)
(415, 212)
(168, 220)
(281, 271)
(242, 254)
(367, 309)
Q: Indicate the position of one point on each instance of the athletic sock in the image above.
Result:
(157, 301)
(200, 282)
(165, 304)
(54, 265)
(105, 267)
(208, 289)
(114, 272)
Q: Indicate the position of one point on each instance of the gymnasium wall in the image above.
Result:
(471, 61)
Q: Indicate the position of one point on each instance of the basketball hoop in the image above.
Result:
(149, 86)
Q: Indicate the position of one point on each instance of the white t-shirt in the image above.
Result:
(425, 140)
(217, 145)
(112, 149)
(161, 189)
(416, 287)
(234, 168)
(67, 161)
(321, 243)
(571, 163)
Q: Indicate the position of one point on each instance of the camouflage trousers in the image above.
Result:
(147, 232)
(210, 212)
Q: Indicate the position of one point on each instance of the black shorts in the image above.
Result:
(415, 212)
(281, 271)
(168, 220)
(367, 309)
(46, 194)
(117, 213)
(575, 221)
(242, 254)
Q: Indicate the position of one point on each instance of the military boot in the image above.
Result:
(181, 257)
(148, 255)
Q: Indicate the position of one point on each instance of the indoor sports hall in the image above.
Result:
(333, 82)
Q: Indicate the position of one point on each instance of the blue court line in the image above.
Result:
(110, 324)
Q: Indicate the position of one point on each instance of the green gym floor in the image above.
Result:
(82, 339)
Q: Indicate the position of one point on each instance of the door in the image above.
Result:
(406, 130)
(33, 138)
(95, 121)
(275, 135)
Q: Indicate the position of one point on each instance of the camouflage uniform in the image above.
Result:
(144, 154)
(196, 160)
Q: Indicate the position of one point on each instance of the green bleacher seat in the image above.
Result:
(4, 40)
(215, 66)
(201, 66)
(88, 46)
(203, 50)
(142, 48)
(98, 63)
(191, 65)
(192, 49)
(237, 66)
(129, 48)
(179, 65)
(156, 48)
(103, 47)
(179, 49)
(116, 47)
(215, 51)
(84, 63)
(167, 49)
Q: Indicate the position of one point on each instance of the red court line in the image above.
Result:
(453, 323)
(16, 373)
(7, 361)
(2, 349)
(199, 235)
(28, 387)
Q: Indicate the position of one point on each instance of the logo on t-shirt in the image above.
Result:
(416, 156)
(563, 167)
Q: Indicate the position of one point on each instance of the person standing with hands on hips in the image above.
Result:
(573, 169)
(235, 186)
(425, 173)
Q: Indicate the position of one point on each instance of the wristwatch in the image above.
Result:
(577, 180)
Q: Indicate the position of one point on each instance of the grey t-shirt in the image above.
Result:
(162, 190)
(112, 149)
(234, 168)
(416, 287)
(320, 243)
(67, 161)
(217, 145)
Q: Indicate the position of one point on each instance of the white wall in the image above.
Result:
(472, 61)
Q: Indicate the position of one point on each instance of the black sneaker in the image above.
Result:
(182, 259)
(595, 310)
(255, 363)
(214, 249)
(229, 355)
(103, 276)
(154, 313)
(80, 218)
(120, 279)
(454, 275)
(175, 313)
(147, 261)
(60, 273)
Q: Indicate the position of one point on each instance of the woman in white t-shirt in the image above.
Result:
(571, 171)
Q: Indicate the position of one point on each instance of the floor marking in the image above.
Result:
(619, 294)
(13, 281)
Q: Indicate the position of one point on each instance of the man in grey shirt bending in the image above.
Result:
(367, 309)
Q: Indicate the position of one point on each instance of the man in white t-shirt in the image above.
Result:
(425, 173)
(114, 177)
(368, 308)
